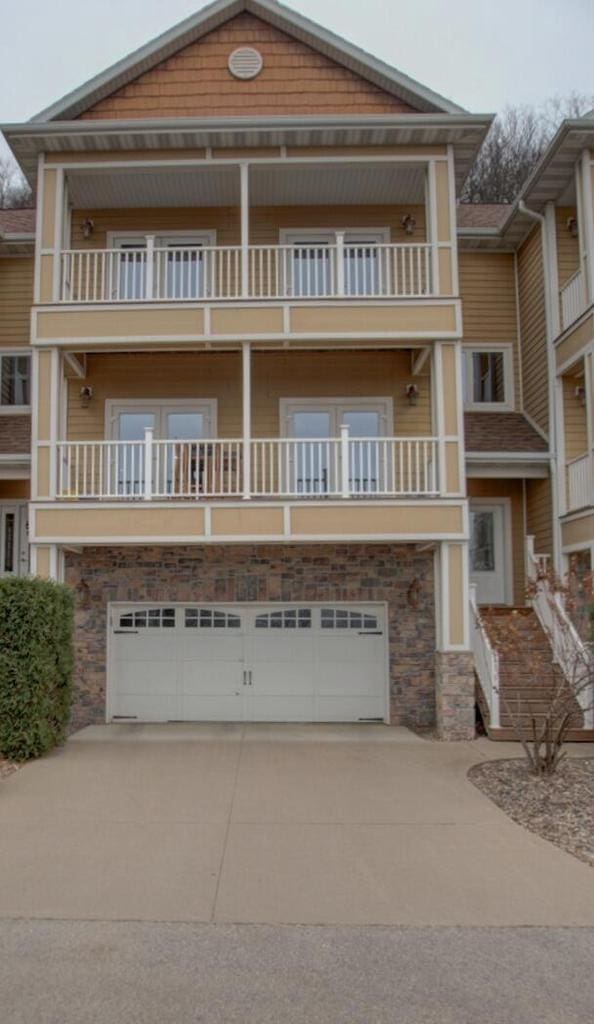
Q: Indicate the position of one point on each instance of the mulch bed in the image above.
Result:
(7, 767)
(560, 808)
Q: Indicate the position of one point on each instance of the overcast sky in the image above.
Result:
(480, 53)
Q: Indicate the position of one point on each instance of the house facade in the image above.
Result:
(280, 410)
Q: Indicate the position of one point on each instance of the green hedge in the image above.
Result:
(36, 629)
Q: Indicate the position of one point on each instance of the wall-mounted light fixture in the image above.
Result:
(412, 393)
(572, 226)
(87, 227)
(580, 394)
(86, 394)
(409, 223)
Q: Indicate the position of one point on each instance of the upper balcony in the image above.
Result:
(248, 247)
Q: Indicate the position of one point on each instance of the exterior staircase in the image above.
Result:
(527, 673)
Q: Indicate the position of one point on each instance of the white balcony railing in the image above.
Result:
(342, 467)
(580, 482)
(572, 299)
(185, 273)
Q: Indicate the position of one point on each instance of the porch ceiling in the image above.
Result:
(270, 185)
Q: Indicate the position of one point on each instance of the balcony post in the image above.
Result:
(246, 380)
(149, 285)
(148, 463)
(339, 254)
(244, 183)
(344, 461)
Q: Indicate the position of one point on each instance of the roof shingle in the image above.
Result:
(17, 222)
(501, 432)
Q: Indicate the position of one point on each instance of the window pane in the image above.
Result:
(482, 542)
(362, 422)
(132, 425)
(185, 270)
(132, 270)
(15, 380)
(488, 377)
(361, 269)
(8, 554)
(312, 272)
(185, 426)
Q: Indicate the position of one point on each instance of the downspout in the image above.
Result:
(552, 376)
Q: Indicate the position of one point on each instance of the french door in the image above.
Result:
(178, 457)
(315, 466)
(313, 270)
(179, 268)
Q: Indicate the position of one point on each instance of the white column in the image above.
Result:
(56, 373)
(339, 256)
(148, 463)
(438, 428)
(246, 397)
(244, 182)
(431, 218)
(150, 267)
(58, 234)
(587, 241)
(344, 461)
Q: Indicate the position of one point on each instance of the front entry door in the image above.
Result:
(487, 553)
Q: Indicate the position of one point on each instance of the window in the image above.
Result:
(488, 382)
(482, 542)
(15, 372)
(148, 618)
(343, 618)
(288, 618)
(207, 618)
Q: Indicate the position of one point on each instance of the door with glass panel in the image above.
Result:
(312, 268)
(487, 552)
(178, 268)
(314, 466)
(180, 462)
(14, 546)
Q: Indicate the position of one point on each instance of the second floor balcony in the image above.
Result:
(150, 270)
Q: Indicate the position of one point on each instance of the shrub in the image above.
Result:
(36, 629)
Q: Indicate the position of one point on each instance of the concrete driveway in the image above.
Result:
(274, 824)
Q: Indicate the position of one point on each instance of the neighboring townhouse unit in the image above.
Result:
(260, 330)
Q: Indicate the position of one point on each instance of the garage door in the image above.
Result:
(258, 663)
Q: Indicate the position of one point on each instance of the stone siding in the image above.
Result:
(397, 574)
(455, 695)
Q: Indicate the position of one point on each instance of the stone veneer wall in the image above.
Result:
(397, 574)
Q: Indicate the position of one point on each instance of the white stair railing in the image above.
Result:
(486, 661)
(569, 651)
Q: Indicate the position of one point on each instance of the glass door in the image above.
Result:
(364, 468)
(128, 277)
(312, 466)
(14, 546)
(487, 555)
(127, 465)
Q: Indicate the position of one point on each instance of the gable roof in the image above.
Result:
(215, 14)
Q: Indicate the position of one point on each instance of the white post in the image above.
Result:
(148, 463)
(246, 367)
(339, 254)
(344, 461)
(150, 267)
(244, 182)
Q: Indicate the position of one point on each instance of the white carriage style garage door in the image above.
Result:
(258, 663)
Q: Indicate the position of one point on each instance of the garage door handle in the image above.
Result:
(371, 632)
(125, 632)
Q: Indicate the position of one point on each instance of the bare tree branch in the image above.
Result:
(517, 139)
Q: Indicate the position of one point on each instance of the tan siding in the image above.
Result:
(575, 419)
(512, 489)
(568, 252)
(488, 293)
(265, 222)
(539, 515)
(275, 376)
(533, 344)
(295, 80)
(16, 297)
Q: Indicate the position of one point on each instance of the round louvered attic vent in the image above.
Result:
(245, 62)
